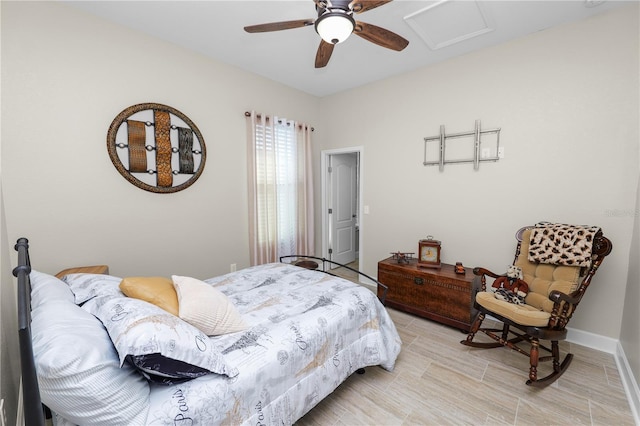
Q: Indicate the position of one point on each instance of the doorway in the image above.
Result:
(342, 223)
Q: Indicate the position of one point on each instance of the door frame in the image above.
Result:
(325, 190)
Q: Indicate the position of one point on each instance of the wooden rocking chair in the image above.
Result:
(555, 290)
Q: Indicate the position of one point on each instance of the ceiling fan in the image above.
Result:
(335, 23)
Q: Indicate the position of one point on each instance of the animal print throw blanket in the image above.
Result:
(562, 244)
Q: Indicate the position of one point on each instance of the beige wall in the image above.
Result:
(630, 333)
(9, 355)
(9, 365)
(66, 75)
(566, 100)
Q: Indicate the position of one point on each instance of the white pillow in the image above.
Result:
(79, 373)
(162, 346)
(206, 308)
(45, 287)
(87, 286)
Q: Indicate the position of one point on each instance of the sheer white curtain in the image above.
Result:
(280, 188)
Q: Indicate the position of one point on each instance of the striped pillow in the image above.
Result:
(206, 308)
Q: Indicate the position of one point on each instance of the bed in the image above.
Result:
(289, 336)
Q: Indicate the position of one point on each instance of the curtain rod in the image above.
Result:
(248, 114)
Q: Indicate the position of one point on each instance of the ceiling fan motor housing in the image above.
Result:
(335, 22)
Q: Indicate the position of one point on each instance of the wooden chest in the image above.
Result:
(438, 294)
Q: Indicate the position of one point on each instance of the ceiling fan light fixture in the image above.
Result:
(335, 26)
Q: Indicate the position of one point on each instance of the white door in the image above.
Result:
(344, 206)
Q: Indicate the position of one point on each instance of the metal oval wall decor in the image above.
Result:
(156, 147)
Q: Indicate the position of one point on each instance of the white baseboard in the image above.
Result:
(592, 340)
(612, 346)
(20, 413)
(371, 286)
(629, 382)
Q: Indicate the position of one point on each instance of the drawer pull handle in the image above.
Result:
(418, 280)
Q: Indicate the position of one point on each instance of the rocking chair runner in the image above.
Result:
(554, 293)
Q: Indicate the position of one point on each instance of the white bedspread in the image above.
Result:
(309, 332)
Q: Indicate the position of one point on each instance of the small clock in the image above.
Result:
(429, 253)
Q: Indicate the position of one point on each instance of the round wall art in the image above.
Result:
(156, 147)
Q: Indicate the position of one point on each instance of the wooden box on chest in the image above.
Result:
(437, 294)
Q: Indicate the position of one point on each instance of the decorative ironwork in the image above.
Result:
(149, 134)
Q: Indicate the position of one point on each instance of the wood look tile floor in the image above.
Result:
(438, 381)
(346, 273)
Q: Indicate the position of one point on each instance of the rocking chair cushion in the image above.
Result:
(521, 314)
(544, 278)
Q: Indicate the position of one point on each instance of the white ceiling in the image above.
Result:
(443, 30)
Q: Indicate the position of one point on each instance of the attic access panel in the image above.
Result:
(156, 148)
(443, 23)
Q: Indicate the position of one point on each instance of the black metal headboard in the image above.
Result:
(32, 405)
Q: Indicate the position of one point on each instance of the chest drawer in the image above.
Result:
(437, 294)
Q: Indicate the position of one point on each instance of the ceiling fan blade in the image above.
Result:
(359, 6)
(324, 54)
(278, 26)
(380, 36)
(320, 4)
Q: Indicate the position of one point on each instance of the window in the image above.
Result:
(280, 189)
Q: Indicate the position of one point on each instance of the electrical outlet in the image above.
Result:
(486, 153)
(233, 267)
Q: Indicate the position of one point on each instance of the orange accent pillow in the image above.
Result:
(156, 290)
